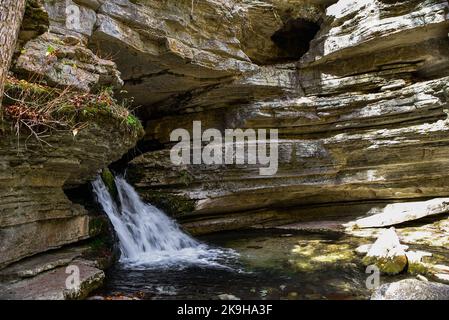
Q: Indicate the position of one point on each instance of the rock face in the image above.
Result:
(35, 214)
(40, 153)
(358, 91)
(398, 213)
(51, 285)
(362, 120)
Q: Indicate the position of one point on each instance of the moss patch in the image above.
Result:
(392, 266)
(108, 179)
(98, 226)
(172, 204)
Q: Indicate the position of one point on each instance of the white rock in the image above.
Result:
(397, 213)
(387, 253)
(417, 256)
(387, 244)
(363, 249)
(422, 278)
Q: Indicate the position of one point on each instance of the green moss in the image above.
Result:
(36, 17)
(34, 10)
(99, 244)
(173, 205)
(98, 226)
(108, 179)
(185, 177)
(18, 88)
(417, 268)
(313, 255)
(390, 266)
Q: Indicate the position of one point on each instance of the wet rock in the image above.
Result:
(363, 249)
(440, 273)
(387, 253)
(429, 234)
(108, 179)
(421, 278)
(97, 298)
(35, 213)
(412, 289)
(317, 255)
(441, 277)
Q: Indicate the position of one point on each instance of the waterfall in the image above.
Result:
(147, 236)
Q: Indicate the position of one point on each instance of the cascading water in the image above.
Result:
(149, 238)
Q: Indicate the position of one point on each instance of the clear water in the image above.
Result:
(269, 266)
(150, 239)
(160, 261)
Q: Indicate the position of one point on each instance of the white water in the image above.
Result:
(149, 238)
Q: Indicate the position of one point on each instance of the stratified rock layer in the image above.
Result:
(362, 120)
(35, 214)
(40, 154)
(357, 89)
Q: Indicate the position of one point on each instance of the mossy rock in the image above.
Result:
(313, 255)
(109, 181)
(390, 265)
(172, 204)
(98, 226)
(418, 268)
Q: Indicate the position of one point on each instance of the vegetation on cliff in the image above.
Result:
(41, 109)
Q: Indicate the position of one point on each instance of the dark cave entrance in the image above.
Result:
(294, 37)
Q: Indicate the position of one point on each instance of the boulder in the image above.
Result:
(411, 289)
(387, 253)
(397, 213)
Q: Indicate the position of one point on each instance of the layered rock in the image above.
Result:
(51, 285)
(361, 109)
(167, 50)
(35, 214)
(362, 122)
(54, 139)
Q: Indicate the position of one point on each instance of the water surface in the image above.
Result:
(271, 264)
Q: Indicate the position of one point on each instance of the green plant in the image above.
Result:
(51, 51)
(41, 109)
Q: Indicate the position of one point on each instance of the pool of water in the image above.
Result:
(269, 264)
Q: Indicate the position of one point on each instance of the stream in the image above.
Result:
(159, 261)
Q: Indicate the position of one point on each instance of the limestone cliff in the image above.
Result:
(362, 118)
(357, 89)
(55, 135)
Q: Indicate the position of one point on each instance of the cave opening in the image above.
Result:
(293, 39)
